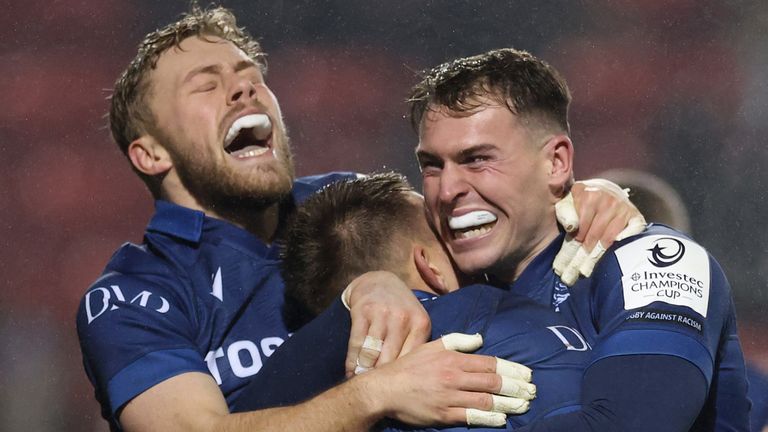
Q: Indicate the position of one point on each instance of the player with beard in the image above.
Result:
(176, 326)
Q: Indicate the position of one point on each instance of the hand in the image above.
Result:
(433, 385)
(387, 321)
(605, 215)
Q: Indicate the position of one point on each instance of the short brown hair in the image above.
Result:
(526, 84)
(341, 232)
(129, 114)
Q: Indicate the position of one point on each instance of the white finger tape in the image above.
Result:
(565, 256)
(373, 343)
(476, 417)
(462, 342)
(635, 226)
(509, 405)
(565, 211)
(589, 263)
(513, 370)
(517, 388)
(571, 273)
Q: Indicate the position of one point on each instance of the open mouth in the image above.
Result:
(472, 224)
(249, 136)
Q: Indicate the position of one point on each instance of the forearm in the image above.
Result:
(346, 407)
(634, 393)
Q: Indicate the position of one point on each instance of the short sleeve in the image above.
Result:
(135, 332)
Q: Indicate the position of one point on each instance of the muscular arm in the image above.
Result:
(634, 393)
(193, 402)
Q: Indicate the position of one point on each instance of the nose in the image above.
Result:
(453, 184)
(241, 90)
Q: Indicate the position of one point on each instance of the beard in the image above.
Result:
(235, 194)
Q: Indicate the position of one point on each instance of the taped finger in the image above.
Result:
(513, 370)
(508, 405)
(571, 273)
(372, 343)
(517, 388)
(476, 417)
(567, 251)
(360, 369)
(565, 211)
(589, 263)
(462, 342)
(635, 226)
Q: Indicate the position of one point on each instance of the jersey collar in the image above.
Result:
(536, 280)
(191, 225)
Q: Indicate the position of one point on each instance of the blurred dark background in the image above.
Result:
(676, 87)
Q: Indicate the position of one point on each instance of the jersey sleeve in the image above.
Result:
(135, 332)
(661, 294)
(308, 363)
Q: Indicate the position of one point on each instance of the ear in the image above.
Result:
(430, 273)
(560, 157)
(148, 156)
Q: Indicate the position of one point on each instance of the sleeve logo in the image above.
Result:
(101, 299)
(665, 269)
(660, 259)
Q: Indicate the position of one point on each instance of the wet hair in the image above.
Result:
(527, 85)
(129, 113)
(344, 230)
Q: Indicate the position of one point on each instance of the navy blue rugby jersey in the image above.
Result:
(658, 293)
(199, 295)
(513, 327)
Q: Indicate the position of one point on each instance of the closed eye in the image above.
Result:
(209, 86)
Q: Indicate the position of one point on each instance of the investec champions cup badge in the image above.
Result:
(668, 269)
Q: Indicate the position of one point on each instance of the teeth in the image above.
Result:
(475, 218)
(251, 153)
(261, 124)
(473, 233)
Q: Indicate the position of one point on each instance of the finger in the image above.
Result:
(357, 334)
(462, 342)
(513, 370)
(392, 345)
(417, 337)
(571, 273)
(369, 352)
(635, 226)
(509, 405)
(589, 263)
(476, 417)
(517, 388)
(565, 211)
(567, 252)
(376, 337)
(586, 211)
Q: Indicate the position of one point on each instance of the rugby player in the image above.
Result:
(177, 325)
(495, 156)
(378, 222)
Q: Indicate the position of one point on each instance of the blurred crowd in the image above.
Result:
(677, 88)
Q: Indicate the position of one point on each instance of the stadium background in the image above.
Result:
(674, 87)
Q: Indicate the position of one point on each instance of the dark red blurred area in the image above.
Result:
(674, 88)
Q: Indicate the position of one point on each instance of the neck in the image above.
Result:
(261, 222)
(511, 271)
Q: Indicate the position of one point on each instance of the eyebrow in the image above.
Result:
(216, 69)
(423, 154)
(478, 149)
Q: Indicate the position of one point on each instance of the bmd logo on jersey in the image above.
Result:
(666, 252)
(666, 269)
(101, 299)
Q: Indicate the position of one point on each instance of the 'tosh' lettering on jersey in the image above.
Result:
(242, 357)
(99, 300)
(667, 269)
